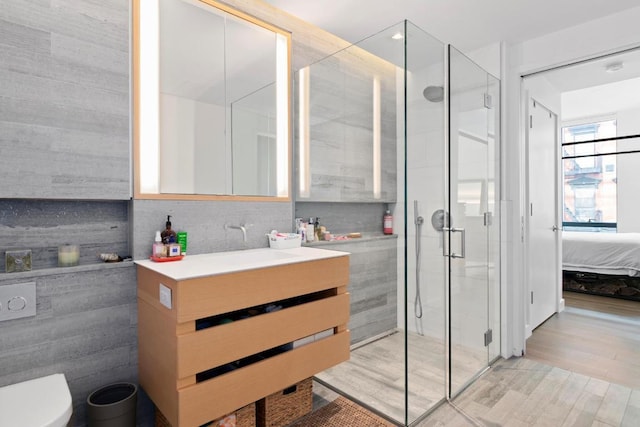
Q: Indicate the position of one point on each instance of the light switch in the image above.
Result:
(165, 296)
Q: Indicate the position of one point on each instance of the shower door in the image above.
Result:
(472, 230)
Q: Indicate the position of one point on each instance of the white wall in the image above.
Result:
(605, 35)
(211, 151)
(539, 88)
(628, 165)
(193, 138)
(248, 126)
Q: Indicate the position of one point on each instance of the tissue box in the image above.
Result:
(287, 241)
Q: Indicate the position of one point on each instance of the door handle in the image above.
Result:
(554, 228)
(463, 244)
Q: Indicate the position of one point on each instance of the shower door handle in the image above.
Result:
(463, 244)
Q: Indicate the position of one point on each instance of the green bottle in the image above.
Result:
(182, 241)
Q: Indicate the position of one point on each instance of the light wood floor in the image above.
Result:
(595, 336)
(375, 375)
(522, 392)
(582, 368)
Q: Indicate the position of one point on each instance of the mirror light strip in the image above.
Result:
(282, 117)
(303, 131)
(377, 134)
(149, 96)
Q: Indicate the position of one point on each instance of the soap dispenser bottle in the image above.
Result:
(387, 222)
(168, 235)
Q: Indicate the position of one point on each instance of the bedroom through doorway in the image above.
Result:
(594, 152)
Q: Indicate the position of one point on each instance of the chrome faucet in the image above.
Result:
(241, 227)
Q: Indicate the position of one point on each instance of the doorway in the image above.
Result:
(597, 172)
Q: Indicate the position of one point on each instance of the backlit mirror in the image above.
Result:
(211, 102)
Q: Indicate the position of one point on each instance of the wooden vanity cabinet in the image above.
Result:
(175, 352)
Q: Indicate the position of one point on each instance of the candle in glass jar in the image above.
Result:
(68, 255)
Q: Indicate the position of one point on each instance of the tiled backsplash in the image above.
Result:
(344, 217)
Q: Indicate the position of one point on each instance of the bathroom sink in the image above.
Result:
(250, 256)
(193, 266)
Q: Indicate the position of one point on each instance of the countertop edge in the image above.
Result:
(177, 270)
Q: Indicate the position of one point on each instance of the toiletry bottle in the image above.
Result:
(301, 230)
(168, 235)
(387, 223)
(181, 237)
(316, 229)
(310, 234)
(159, 249)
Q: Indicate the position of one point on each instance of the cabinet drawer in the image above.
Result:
(205, 401)
(212, 295)
(216, 346)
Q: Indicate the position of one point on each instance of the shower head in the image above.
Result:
(433, 93)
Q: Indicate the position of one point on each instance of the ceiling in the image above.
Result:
(471, 24)
(467, 24)
(598, 87)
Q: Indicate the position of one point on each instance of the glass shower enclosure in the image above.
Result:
(403, 95)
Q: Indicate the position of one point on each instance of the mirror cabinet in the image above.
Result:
(211, 103)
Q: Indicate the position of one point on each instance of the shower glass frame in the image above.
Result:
(422, 138)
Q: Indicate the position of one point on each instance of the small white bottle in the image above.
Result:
(302, 229)
(159, 249)
(310, 232)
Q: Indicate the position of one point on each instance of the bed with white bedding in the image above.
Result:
(601, 253)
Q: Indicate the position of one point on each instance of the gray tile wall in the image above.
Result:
(204, 223)
(341, 128)
(43, 225)
(340, 218)
(64, 135)
(64, 99)
(86, 319)
(372, 284)
(85, 327)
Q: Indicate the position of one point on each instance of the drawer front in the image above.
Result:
(218, 345)
(212, 295)
(203, 402)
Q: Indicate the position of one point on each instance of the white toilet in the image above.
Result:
(42, 402)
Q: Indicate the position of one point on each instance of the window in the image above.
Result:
(589, 181)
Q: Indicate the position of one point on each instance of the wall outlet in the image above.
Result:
(17, 301)
(165, 296)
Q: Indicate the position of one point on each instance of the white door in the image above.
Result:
(543, 270)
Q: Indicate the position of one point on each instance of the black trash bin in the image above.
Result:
(113, 406)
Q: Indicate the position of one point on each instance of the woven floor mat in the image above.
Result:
(341, 413)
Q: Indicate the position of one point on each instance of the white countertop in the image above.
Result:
(192, 266)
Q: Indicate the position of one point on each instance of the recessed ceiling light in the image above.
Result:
(614, 66)
(397, 36)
